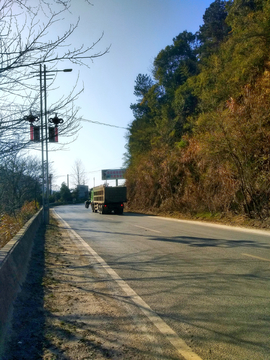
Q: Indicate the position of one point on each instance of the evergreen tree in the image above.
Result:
(215, 29)
(176, 62)
(65, 193)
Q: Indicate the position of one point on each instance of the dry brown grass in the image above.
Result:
(10, 225)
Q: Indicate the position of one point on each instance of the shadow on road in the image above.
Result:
(210, 242)
(184, 240)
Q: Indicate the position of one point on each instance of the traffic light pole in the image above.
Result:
(42, 144)
(46, 208)
(44, 135)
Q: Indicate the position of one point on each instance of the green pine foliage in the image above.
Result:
(200, 138)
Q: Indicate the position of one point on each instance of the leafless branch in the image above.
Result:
(24, 45)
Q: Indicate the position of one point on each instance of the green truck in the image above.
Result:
(107, 199)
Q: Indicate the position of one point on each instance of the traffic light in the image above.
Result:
(53, 134)
(34, 133)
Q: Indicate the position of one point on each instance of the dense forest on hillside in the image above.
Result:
(200, 139)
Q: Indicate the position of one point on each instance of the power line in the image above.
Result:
(100, 123)
(86, 172)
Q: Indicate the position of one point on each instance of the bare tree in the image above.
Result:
(79, 174)
(25, 43)
(19, 182)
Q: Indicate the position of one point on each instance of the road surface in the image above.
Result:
(206, 288)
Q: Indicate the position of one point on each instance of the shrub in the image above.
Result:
(10, 225)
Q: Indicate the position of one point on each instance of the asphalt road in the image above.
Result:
(209, 284)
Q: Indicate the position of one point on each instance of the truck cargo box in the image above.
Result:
(115, 194)
(107, 199)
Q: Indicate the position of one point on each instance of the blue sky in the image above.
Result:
(136, 30)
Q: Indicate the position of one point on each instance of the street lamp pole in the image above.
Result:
(46, 149)
(42, 142)
(44, 131)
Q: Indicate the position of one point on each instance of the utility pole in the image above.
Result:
(44, 135)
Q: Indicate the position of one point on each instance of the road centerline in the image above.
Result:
(256, 257)
(144, 228)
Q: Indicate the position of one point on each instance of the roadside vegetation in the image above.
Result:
(20, 193)
(199, 143)
(11, 224)
(14, 215)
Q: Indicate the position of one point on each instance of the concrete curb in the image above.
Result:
(14, 258)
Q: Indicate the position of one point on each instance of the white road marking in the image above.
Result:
(219, 226)
(141, 227)
(179, 344)
(256, 257)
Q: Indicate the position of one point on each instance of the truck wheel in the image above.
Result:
(104, 210)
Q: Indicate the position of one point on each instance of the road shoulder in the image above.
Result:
(69, 309)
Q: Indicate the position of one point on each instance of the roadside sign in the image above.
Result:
(113, 174)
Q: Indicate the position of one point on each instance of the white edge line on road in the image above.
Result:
(227, 227)
(256, 257)
(179, 344)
